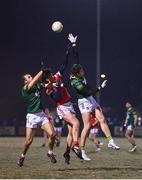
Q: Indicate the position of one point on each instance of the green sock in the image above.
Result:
(109, 138)
(82, 147)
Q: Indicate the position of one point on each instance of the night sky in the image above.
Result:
(26, 38)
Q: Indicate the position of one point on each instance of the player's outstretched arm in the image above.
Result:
(72, 46)
(102, 86)
(64, 65)
(35, 79)
(73, 40)
(65, 62)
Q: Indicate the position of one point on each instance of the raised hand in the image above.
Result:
(72, 39)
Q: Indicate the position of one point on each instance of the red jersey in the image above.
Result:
(94, 123)
(59, 93)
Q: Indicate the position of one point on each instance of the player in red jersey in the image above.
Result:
(60, 95)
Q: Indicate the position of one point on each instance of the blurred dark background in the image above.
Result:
(26, 38)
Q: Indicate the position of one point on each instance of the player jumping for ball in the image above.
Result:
(87, 104)
(60, 95)
(35, 115)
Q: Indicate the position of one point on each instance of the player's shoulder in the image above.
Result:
(57, 75)
(74, 81)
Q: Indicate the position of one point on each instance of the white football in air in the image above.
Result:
(57, 26)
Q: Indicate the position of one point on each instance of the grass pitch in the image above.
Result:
(107, 163)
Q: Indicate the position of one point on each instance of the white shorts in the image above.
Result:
(58, 129)
(64, 109)
(94, 130)
(130, 128)
(33, 120)
(87, 104)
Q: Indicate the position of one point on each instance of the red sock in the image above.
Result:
(68, 148)
(76, 143)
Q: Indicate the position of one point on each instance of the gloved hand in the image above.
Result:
(103, 84)
(72, 39)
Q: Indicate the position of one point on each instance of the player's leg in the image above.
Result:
(129, 135)
(84, 133)
(74, 122)
(48, 128)
(58, 136)
(91, 133)
(104, 126)
(69, 144)
(29, 139)
(93, 137)
(96, 141)
(44, 139)
(67, 112)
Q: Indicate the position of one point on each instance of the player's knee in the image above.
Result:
(127, 136)
(70, 134)
(102, 120)
(29, 141)
(76, 124)
(53, 134)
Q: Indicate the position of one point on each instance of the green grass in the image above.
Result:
(108, 163)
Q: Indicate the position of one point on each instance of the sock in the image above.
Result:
(22, 155)
(97, 145)
(82, 147)
(83, 151)
(68, 148)
(76, 143)
(109, 138)
(98, 142)
(50, 152)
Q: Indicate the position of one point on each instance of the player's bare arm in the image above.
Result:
(35, 79)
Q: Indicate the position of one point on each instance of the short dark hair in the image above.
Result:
(46, 73)
(76, 69)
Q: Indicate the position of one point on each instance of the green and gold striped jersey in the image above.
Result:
(33, 98)
(81, 87)
(130, 116)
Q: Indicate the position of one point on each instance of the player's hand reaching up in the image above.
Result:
(72, 39)
(103, 84)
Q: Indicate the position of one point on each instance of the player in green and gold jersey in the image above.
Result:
(130, 124)
(87, 105)
(35, 114)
